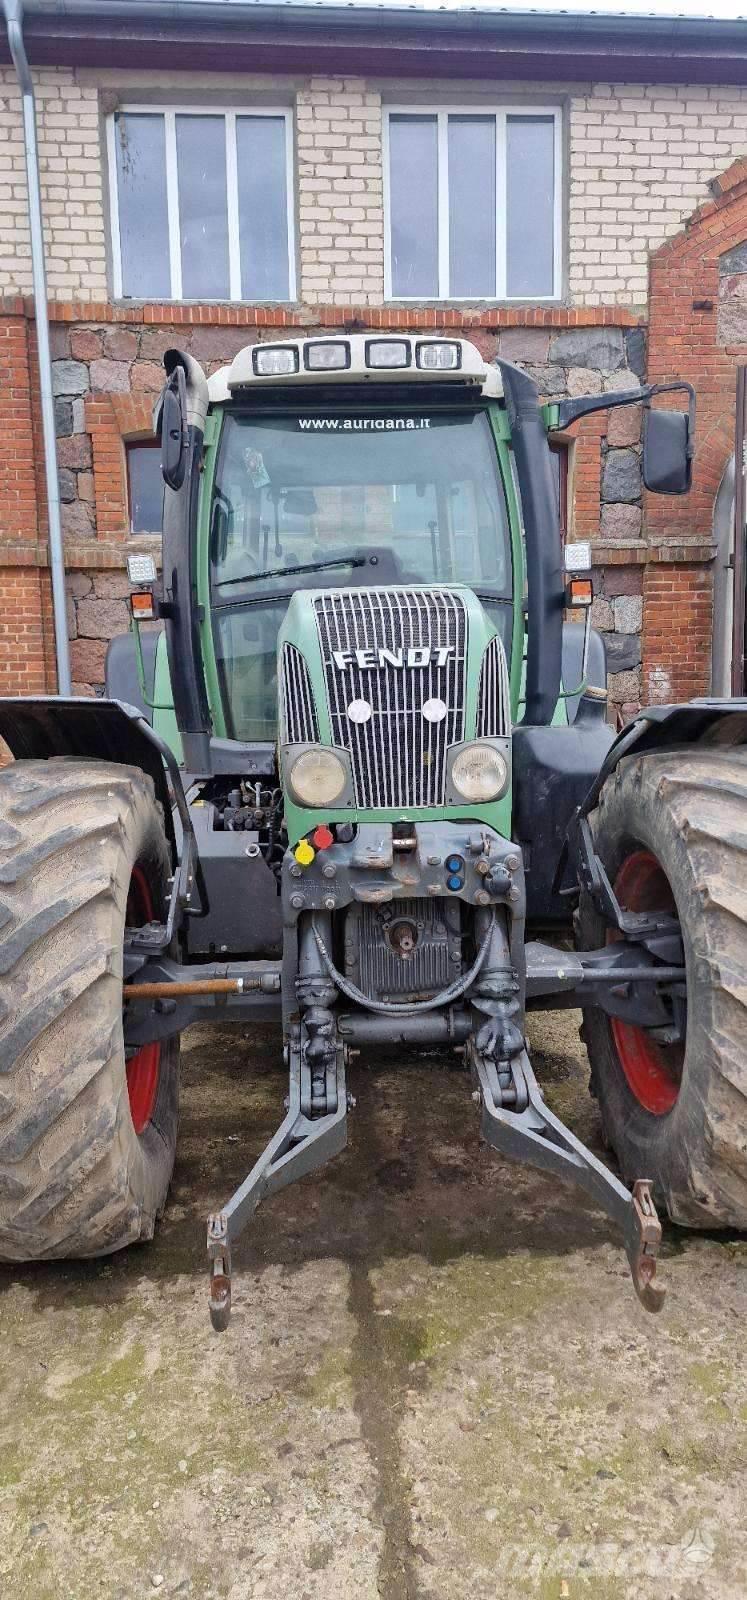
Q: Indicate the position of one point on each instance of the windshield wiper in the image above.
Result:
(283, 572)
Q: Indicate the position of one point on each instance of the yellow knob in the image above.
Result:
(304, 853)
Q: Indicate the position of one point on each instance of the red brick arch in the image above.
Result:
(112, 420)
(684, 343)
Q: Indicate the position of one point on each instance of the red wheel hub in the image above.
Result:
(143, 1069)
(653, 1071)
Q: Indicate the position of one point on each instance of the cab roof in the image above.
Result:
(357, 358)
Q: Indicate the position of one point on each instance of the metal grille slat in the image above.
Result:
(493, 702)
(298, 718)
(398, 757)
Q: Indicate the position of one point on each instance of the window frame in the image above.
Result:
(229, 115)
(500, 113)
(130, 443)
(561, 448)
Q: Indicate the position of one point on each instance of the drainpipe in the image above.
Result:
(14, 19)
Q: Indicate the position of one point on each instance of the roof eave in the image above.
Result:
(383, 41)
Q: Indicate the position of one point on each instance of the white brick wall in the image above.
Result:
(340, 215)
(71, 182)
(640, 162)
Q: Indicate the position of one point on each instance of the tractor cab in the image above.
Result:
(373, 478)
(376, 480)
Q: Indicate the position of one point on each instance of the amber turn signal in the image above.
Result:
(142, 605)
(579, 592)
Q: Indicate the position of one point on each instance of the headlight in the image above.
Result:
(275, 361)
(317, 778)
(480, 773)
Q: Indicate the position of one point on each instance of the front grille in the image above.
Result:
(398, 756)
(298, 720)
(493, 703)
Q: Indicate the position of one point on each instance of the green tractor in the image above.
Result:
(362, 773)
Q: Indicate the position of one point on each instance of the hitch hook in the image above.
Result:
(219, 1254)
(643, 1245)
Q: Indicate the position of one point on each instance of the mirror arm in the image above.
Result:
(569, 411)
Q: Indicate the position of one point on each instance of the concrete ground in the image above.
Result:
(437, 1383)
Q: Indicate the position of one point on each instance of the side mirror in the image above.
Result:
(667, 451)
(173, 431)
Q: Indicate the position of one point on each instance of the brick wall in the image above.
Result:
(652, 587)
(698, 331)
(641, 158)
(341, 221)
(71, 164)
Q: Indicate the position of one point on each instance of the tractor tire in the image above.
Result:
(87, 1140)
(671, 831)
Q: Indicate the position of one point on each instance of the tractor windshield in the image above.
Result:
(342, 500)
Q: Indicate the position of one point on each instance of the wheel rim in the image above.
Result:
(653, 1071)
(144, 1069)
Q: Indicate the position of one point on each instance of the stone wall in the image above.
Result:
(605, 490)
(106, 379)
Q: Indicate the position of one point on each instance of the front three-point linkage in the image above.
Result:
(314, 1128)
(516, 1122)
(529, 1131)
(312, 1132)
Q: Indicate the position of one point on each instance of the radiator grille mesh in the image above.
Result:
(298, 719)
(493, 703)
(398, 756)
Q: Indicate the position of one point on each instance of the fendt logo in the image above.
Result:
(417, 655)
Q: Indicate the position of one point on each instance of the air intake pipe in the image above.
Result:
(180, 607)
(539, 509)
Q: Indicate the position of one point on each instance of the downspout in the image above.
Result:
(13, 10)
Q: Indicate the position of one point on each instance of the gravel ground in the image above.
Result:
(437, 1382)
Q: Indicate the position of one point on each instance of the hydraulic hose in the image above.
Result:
(392, 1008)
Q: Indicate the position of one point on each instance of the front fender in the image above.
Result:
(105, 730)
(706, 721)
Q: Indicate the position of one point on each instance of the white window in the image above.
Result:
(201, 204)
(473, 203)
(144, 486)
